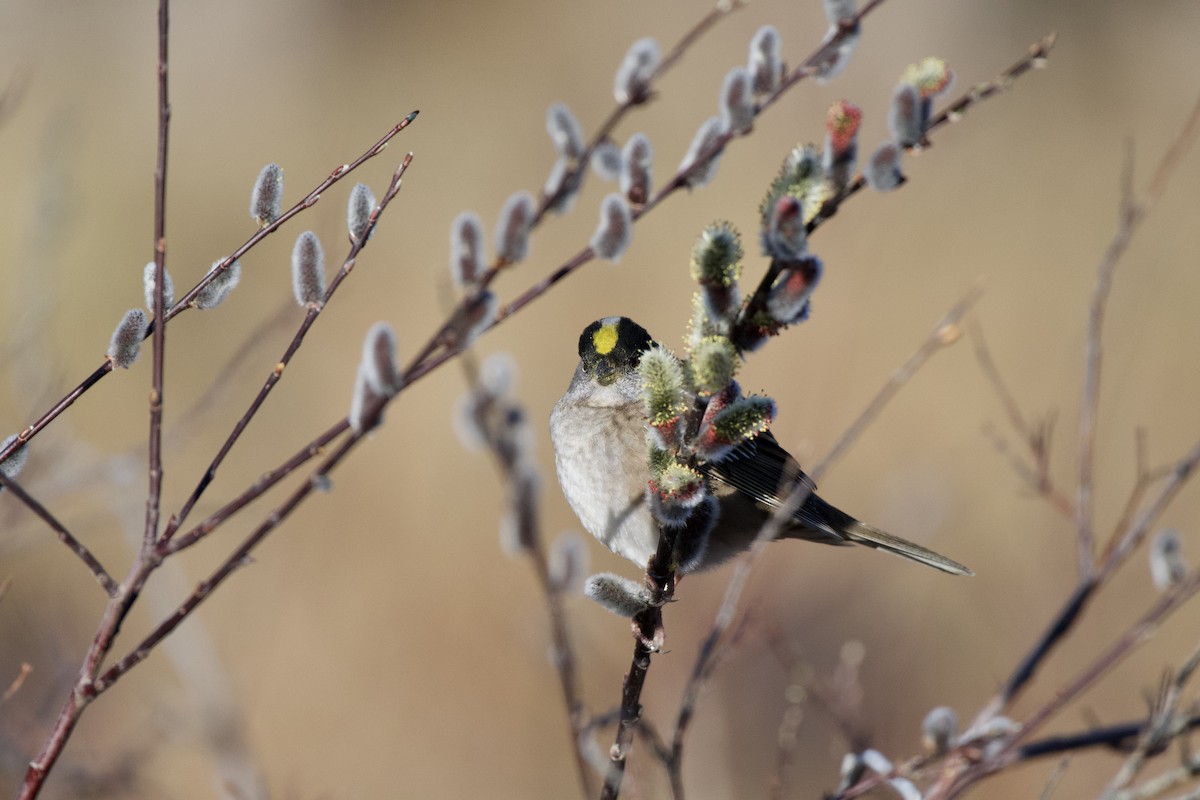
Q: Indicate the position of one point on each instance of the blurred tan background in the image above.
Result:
(381, 645)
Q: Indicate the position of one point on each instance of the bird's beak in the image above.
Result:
(604, 372)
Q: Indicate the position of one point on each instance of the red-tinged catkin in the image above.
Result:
(786, 237)
(788, 298)
(841, 143)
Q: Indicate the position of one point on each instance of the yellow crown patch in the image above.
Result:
(605, 339)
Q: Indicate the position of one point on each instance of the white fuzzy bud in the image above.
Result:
(615, 231)
(883, 170)
(467, 255)
(619, 595)
(568, 562)
(12, 466)
(1167, 565)
(905, 119)
(563, 185)
(833, 60)
(786, 237)
(308, 270)
(838, 10)
(148, 285)
(765, 65)
(632, 83)
(606, 161)
(379, 360)
(737, 101)
(364, 399)
(359, 209)
(938, 730)
(126, 343)
(474, 316)
(636, 160)
(267, 195)
(498, 374)
(220, 287)
(702, 168)
(512, 229)
(564, 131)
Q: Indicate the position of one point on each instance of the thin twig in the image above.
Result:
(565, 664)
(1012, 408)
(65, 536)
(1052, 782)
(16, 684)
(1035, 438)
(155, 468)
(702, 670)
(256, 490)
(1084, 510)
(1121, 547)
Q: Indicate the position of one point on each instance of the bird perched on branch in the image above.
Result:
(599, 431)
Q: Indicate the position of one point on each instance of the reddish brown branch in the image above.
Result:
(65, 536)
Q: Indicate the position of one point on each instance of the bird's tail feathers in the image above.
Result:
(864, 534)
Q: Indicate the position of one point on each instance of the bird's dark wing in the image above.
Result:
(761, 470)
